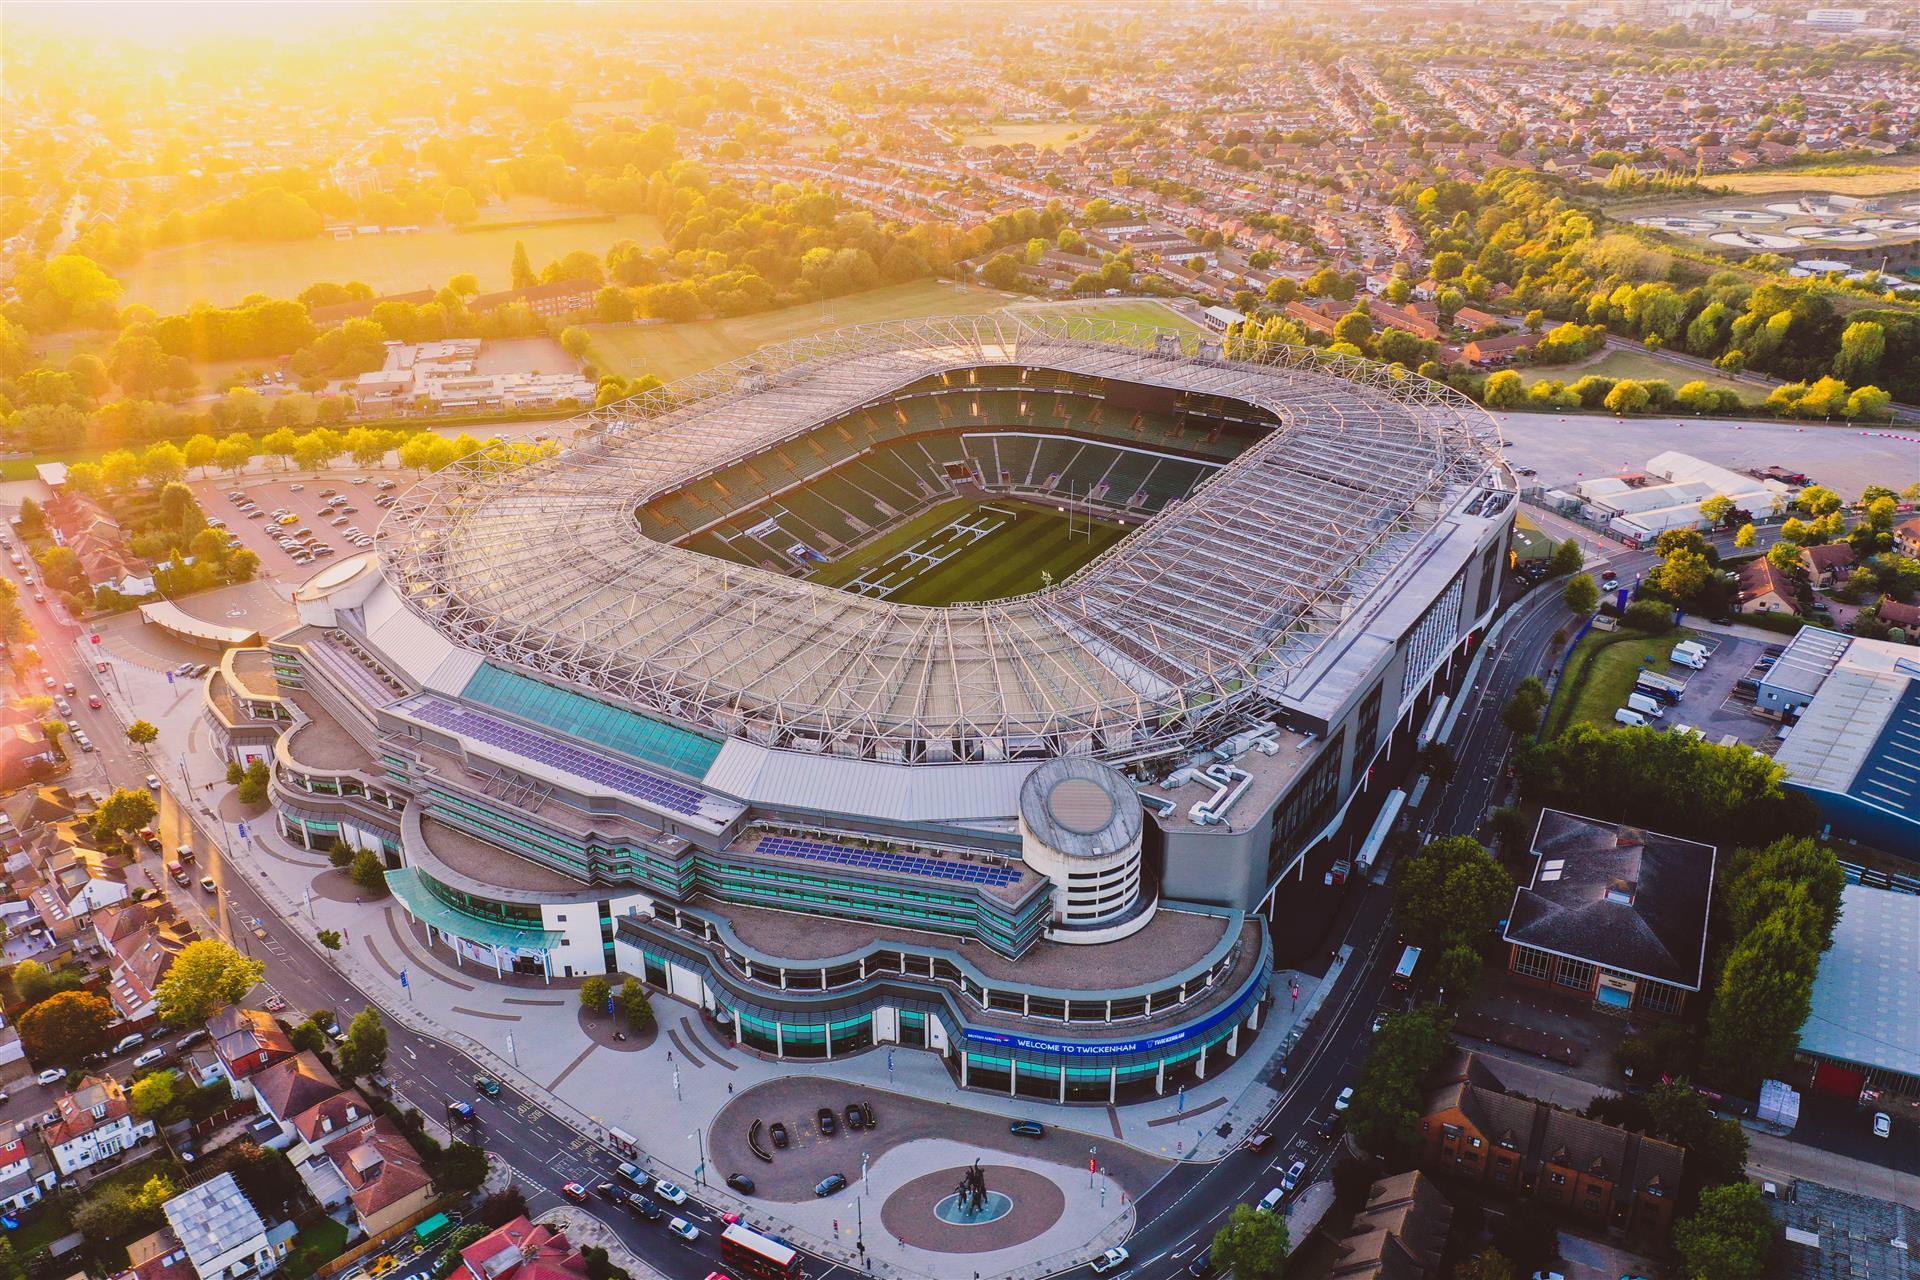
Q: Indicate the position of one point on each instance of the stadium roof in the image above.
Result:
(1211, 603)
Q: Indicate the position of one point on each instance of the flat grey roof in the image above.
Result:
(1868, 988)
(1810, 657)
(1855, 1235)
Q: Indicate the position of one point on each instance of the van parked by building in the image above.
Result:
(1682, 656)
(1632, 719)
(1646, 705)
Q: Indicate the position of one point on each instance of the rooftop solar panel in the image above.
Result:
(881, 860)
(652, 789)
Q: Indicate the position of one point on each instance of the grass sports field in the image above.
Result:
(971, 550)
(1834, 179)
(1047, 135)
(1642, 367)
(224, 271)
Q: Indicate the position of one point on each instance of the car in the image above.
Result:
(179, 875)
(133, 1041)
(150, 838)
(740, 1182)
(1112, 1260)
(50, 682)
(463, 1111)
(1882, 1125)
(607, 1191)
(574, 1192)
(828, 1185)
(385, 484)
(153, 782)
(255, 513)
(206, 883)
(487, 1085)
(1525, 471)
(1379, 1021)
(148, 1058)
(778, 1132)
(1291, 1178)
(70, 690)
(1258, 1140)
(1027, 1129)
(86, 743)
(856, 1117)
(632, 1174)
(296, 488)
(93, 700)
(823, 1118)
(1548, 1275)
(39, 597)
(644, 1207)
(1345, 1099)
(52, 1075)
(684, 1229)
(1201, 1265)
(671, 1192)
(276, 1003)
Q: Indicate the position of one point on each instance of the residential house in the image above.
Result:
(142, 941)
(96, 1123)
(560, 298)
(385, 1177)
(224, 1236)
(1615, 915)
(291, 1090)
(1473, 320)
(343, 1112)
(1399, 1235)
(1470, 1128)
(157, 1256)
(1827, 564)
(522, 1251)
(1764, 589)
(1906, 537)
(1904, 616)
(75, 883)
(25, 1176)
(1491, 351)
(247, 1041)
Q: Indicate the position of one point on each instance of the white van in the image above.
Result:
(1685, 657)
(1632, 719)
(1272, 1201)
(1646, 705)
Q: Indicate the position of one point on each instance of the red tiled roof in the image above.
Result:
(379, 1166)
(522, 1251)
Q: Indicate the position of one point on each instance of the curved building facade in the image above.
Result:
(1038, 836)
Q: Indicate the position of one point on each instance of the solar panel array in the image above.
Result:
(615, 775)
(904, 863)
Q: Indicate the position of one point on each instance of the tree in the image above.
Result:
(340, 853)
(1818, 500)
(1758, 882)
(1582, 594)
(1503, 390)
(458, 207)
(1784, 555)
(1451, 892)
(1002, 271)
(1682, 575)
(141, 734)
(206, 977)
(124, 810)
(1728, 1237)
(365, 1050)
(503, 1206)
(369, 871)
(1746, 537)
(1861, 346)
(1568, 557)
(1490, 1264)
(461, 1168)
(1458, 971)
(308, 1037)
(636, 1006)
(328, 938)
(1385, 1114)
(1764, 996)
(1715, 509)
(1627, 396)
(1251, 1244)
(32, 982)
(1868, 402)
(253, 783)
(594, 994)
(152, 1094)
(523, 276)
(64, 1028)
(1511, 827)
(1521, 715)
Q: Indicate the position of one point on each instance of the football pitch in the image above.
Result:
(967, 550)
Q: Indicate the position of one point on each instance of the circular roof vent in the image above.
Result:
(1080, 807)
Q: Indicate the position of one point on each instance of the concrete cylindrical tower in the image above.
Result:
(1080, 826)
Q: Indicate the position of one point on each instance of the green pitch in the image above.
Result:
(967, 550)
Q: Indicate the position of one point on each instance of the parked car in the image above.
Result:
(153, 782)
(828, 1185)
(740, 1182)
(148, 1058)
(1345, 1099)
(672, 1193)
(1882, 1125)
(1112, 1260)
(574, 1192)
(824, 1119)
(1291, 1178)
(856, 1116)
(1027, 1129)
(778, 1133)
(52, 1075)
(1258, 1141)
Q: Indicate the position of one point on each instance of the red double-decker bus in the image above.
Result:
(761, 1257)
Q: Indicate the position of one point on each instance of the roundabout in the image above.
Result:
(927, 1212)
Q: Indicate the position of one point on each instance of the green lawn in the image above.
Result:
(1618, 657)
(1053, 135)
(1144, 311)
(670, 351)
(1642, 366)
(224, 271)
(318, 1244)
(1009, 561)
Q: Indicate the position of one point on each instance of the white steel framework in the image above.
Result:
(1208, 605)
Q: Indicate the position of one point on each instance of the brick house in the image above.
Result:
(1399, 1235)
(1491, 351)
(1764, 589)
(1470, 1128)
(385, 1179)
(1614, 915)
(142, 941)
(560, 298)
(522, 1251)
(96, 1123)
(247, 1042)
(1827, 564)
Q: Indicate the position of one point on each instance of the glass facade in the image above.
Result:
(604, 725)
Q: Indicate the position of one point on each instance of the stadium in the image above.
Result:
(975, 685)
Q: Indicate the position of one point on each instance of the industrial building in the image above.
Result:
(1639, 506)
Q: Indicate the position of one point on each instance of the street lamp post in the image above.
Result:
(699, 1136)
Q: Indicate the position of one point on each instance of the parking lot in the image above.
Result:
(332, 515)
(1715, 701)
